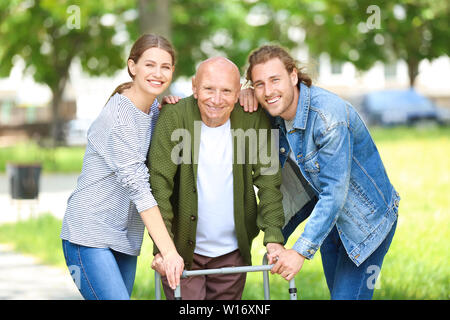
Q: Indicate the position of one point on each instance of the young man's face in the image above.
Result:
(276, 89)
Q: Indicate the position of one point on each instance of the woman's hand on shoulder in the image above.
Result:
(170, 99)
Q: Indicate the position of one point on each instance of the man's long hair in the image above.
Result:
(269, 52)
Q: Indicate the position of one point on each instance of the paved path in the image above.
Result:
(24, 278)
(21, 276)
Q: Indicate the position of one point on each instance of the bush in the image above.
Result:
(60, 159)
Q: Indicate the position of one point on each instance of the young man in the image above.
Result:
(355, 216)
(206, 196)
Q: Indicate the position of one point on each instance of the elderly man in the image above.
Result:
(204, 185)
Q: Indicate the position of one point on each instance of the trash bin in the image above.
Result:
(24, 180)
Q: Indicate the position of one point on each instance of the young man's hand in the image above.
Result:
(247, 100)
(289, 264)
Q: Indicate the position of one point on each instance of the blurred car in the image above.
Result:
(76, 132)
(400, 107)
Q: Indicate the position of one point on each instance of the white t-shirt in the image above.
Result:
(216, 233)
(289, 126)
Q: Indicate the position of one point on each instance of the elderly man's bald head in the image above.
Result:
(216, 87)
(218, 64)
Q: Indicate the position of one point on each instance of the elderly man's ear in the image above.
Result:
(194, 87)
(238, 94)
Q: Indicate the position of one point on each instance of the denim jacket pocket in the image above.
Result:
(312, 168)
(312, 165)
(360, 208)
(362, 197)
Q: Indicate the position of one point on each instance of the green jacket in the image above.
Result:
(174, 185)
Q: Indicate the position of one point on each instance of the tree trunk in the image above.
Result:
(413, 71)
(57, 125)
(154, 17)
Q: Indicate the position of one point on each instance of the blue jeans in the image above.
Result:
(345, 280)
(100, 273)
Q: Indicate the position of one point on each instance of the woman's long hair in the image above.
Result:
(146, 41)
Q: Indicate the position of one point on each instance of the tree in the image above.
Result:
(154, 17)
(204, 28)
(50, 35)
(366, 31)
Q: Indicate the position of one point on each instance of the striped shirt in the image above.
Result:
(113, 187)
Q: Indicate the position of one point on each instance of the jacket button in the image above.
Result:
(193, 218)
(282, 150)
(190, 242)
(194, 190)
(396, 203)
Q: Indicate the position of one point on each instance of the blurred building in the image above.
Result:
(25, 107)
(347, 81)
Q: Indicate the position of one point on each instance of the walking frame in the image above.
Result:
(265, 268)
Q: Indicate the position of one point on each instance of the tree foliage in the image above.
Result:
(366, 31)
(42, 32)
(49, 35)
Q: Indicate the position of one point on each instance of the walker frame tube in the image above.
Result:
(265, 268)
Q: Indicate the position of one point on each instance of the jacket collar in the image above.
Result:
(301, 116)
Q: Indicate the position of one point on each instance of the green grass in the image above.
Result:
(417, 162)
(416, 266)
(60, 159)
(37, 236)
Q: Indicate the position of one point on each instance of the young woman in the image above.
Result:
(112, 204)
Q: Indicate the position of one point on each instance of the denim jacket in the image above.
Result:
(338, 158)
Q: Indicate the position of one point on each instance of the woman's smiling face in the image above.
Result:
(153, 71)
